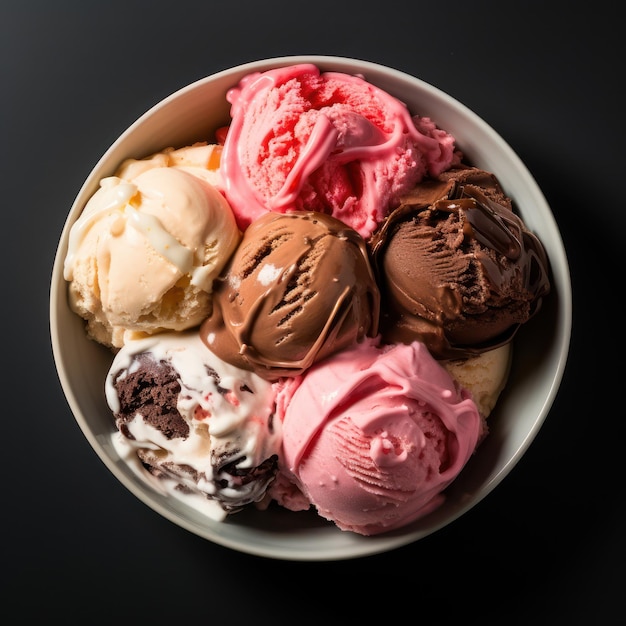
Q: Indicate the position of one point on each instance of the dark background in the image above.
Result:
(547, 546)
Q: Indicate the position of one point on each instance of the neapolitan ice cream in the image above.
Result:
(298, 288)
(301, 139)
(144, 253)
(374, 434)
(318, 314)
(202, 426)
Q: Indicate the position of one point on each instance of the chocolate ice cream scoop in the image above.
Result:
(457, 268)
(298, 288)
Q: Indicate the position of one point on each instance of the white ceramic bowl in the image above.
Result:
(191, 114)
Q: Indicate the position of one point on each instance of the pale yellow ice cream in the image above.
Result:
(143, 255)
(484, 376)
(201, 159)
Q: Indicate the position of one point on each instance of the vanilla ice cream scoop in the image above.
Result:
(200, 159)
(484, 375)
(143, 255)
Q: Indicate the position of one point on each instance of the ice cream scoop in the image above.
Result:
(327, 142)
(201, 159)
(457, 267)
(143, 254)
(374, 434)
(484, 375)
(193, 423)
(298, 288)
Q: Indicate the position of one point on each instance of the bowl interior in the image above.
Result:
(192, 114)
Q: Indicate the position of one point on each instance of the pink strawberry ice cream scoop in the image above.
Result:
(327, 142)
(374, 434)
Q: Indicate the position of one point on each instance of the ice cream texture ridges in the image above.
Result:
(326, 142)
(298, 288)
(457, 268)
(374, 434)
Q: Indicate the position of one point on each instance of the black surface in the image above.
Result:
(547, 546)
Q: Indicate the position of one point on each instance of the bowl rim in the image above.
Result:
(349, 547)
